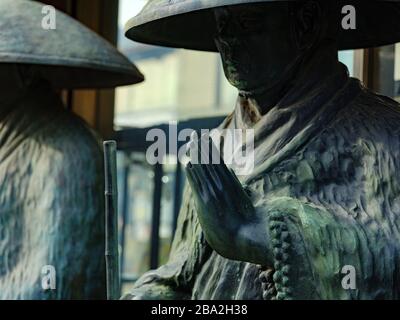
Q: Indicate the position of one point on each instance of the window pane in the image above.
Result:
(136, 190)
(347, 58)
(138, 178)
(179, 84)
(397, 72)
(386, 69)
(167, 211)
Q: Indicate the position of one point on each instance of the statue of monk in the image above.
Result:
(319, 216)
(51, 167)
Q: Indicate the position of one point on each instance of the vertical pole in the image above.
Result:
(155, 223)
(111, 204)
(125, 211)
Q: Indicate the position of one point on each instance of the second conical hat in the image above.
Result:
(69, 56)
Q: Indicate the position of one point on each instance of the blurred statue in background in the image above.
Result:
(319, 216)
(51, 167)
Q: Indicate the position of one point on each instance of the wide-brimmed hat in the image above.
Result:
(69, 56)
(190, 24)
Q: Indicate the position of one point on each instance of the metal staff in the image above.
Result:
(111, 202)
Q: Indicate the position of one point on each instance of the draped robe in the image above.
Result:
(51, 201)
(327, 174)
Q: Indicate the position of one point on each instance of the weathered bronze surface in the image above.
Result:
(190, 23)
(324, 193)
(51, 195)
(69, 56)
(51, 166)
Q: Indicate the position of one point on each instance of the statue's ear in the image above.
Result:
(308, 23)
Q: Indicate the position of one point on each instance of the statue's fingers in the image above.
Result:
(193, 178)
(210, 186)
(205, 181)
(226, 175)
(196, 180)
(206, 157)
(209, 183)
(215, 161)
(238, 199)
(213, 172)
(206, 200)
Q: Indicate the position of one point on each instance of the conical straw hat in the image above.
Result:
(70, 56)
(190, 23)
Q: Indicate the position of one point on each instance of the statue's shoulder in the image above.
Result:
(70, 133)
(377, 107)
(369, 115)
(66, 141)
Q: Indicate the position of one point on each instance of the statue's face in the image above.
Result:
(256, 44)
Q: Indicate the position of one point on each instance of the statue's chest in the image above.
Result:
(328, 163)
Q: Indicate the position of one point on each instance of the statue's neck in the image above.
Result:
(12, 87)
(38, 94)
(8, 100)
(308, 72)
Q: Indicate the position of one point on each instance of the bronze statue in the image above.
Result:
(323, 197)
(51, 167)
